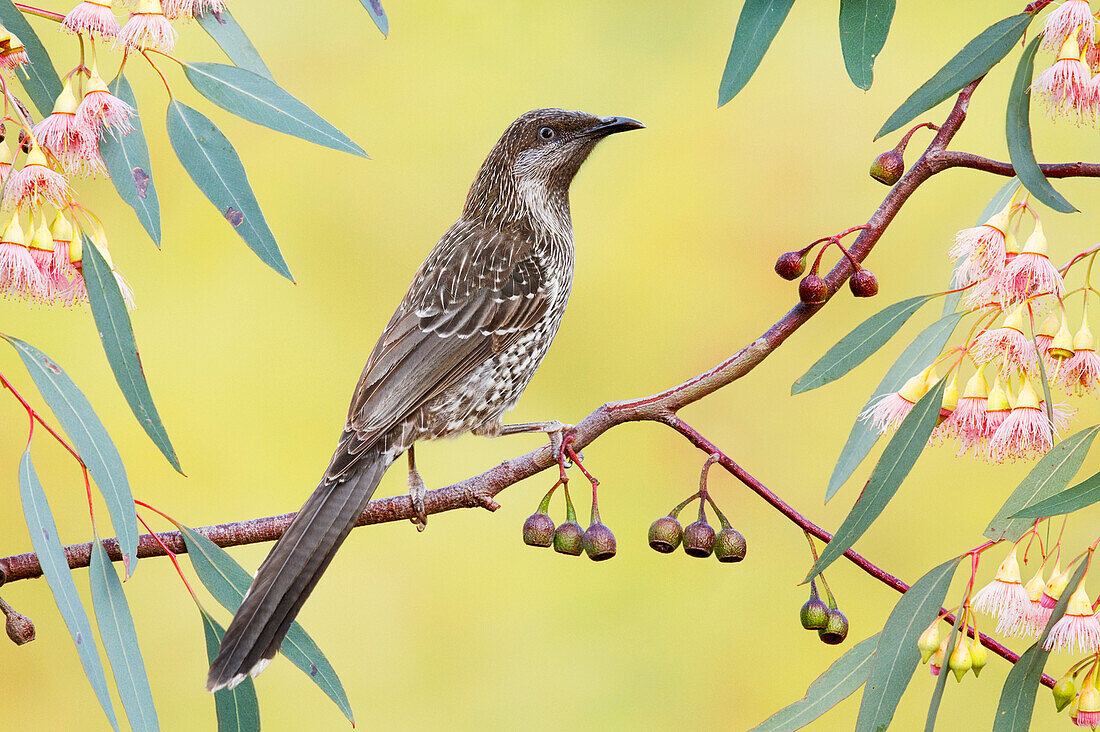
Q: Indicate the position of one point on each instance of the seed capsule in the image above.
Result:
(729, 545)
(836, 628)
(665, 534)
(888, 167)
(599, 542)
(699, 539)
(1064, 691)
(812, 290)
(569, 539)
(19, 628)
(538, 530)
(863, 283)
(814, 614)
(790, 265)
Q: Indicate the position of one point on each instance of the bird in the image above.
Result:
(457, 354)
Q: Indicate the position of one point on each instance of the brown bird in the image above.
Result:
(468, 336)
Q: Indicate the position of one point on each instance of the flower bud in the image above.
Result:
(812, 290)
(791, 265)
(978, 656)
(836, 628)
(1064, 692)
(538, 530)
(699, 539)
(1088, 705)
(888, 167)
(938, 658)
(569, 539)
(960, 661)
(929, 641)
(665, 534)
(729, 545)
(814, 614)
(863, 283)
(599, 542)
(20, 628)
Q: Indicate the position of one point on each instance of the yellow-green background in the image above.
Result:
(677, 228)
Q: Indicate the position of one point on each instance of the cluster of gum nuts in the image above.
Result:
(596, 541)
(824, 617)
(699, 538)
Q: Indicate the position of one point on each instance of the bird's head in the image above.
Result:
(539, 154)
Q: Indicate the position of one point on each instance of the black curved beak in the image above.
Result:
(611, 125)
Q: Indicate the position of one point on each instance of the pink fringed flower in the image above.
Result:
(41, 248)
(997, 409)
(147, 28)
(12, 53)
(1026, 431)
(187, 9)
(1073, 17)
(1049, 598)
(61, 234)
(70, 142)
(77, 291)
(982, 246)
(1088, 705)
(36, 184)
(1031, 273)
(101, 109)
(1004, 598)
(1008, 343)
(1079, 628)
(887, 412)
(1081, 372)
(93, 18)
(18, 272)
(1047, 330)
(1066, 85)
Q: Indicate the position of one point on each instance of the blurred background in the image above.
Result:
(677, 229)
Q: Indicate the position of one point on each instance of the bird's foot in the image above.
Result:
(417, 489)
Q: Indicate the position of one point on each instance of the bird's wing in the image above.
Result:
(477, 292)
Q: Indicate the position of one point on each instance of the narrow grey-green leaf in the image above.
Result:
(38, 77)
(214, 166)
(116, 629)
(238, 709)
(915, 358)
(974, 60)
(1018, 133)
(378, 15)
(1018, 694)
(1082, 495)
(115, 330)
(1048, 403)
(997, 203)
(941, 680)
(1049, 476)
(844, 676)
(127, 160)
(864, 25)
(897, 460)
(260, 100)
(230, 37)
(854, 348)
(757, 25)
(55, 567)
(92, 443)
(228, 582)
(896, 656)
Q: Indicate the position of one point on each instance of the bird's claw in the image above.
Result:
(417, 489)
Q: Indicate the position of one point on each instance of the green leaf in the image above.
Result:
(863, 28)
(117, 334)
(91, 441)
(854, 348)
(1018, 132)
(116, 629)
(216, 169)
(39, 78)
(844, 676)
(378, 15)
(55, 567)
(896, 656)
(260, 100)
(915, 358)
(973, 61)
(237, 708)
(756, 27)
(127, 159)
(230, 37)
(1049, 476)
(228, 582)
(1018, 694)
(897, 460)
(1082, 495)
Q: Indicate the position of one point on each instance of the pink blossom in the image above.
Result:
(36, 184)
(147, 28)
(1073, 17)
(1005, 597)
(93, 18)
(1026, 431)
(1066, 85)
(101, 108)
(887, 411)
(983, 247)
(18, 273)
(1008, 343)
(1079, 628)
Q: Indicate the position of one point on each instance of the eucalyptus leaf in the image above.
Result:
(39, 77)
(127, 160)
(1018, 133)
(378, 15)
(260, 100)
(1049, 476)
(864, 25)
(1082, 495)
(844, 676)
(757, 25)
(974, 60)
(228, 582)
(858, 345)
(214, 166)
(91, 441)
(231, 38)
(896, 655)
(55, 567)
(112, 319)
(116, 629)
(238, 709)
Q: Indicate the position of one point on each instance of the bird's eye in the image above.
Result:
(547, 133)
